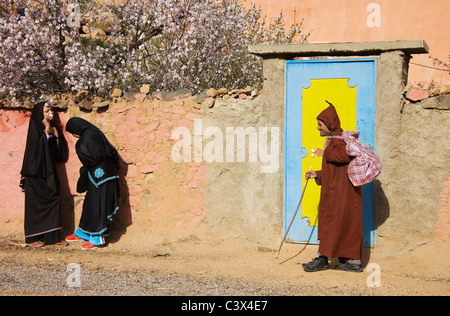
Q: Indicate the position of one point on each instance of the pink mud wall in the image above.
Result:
(13, 134)
(346, 21)
(158, 194)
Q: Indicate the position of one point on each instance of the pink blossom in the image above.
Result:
(169, 44)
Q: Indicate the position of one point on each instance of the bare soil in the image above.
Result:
(232, 266)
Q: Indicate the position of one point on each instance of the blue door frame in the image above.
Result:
(360, 73)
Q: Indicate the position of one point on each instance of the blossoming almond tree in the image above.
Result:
(205, 44)
(96, 64)
(170, 44)
(31, 47)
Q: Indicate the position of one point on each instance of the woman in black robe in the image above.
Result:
(45, 145)
(99, 177)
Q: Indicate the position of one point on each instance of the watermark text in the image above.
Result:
(236, 144)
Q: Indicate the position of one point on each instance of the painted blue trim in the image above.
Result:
(362, 73)
(334, 60)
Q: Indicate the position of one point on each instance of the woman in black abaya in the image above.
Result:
(45, 145)
(99, 177)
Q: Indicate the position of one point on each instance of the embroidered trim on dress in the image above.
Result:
(97, 184)
(98, 173)
(109, 218)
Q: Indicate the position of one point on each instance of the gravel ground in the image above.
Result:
(49, 271)
(61, 279)
(194, 268)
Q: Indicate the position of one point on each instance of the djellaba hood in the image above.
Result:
(331, 119)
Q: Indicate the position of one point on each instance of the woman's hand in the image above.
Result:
(49, 130)
(48, 117)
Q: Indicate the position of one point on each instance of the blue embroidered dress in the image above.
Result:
(99, 178)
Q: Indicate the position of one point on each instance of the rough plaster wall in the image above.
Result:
(236, 199)
(414, 148)
(424, 168)
(159, 196)
(443, 221)
(13, 134)
(242, 201)
(391, 81)
(164, 197)
(411, 191)
(390, 85)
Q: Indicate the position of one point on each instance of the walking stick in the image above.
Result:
(295, 214)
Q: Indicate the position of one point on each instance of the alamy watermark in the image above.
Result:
(74, 17)
(74, 277)
(374, 278)
(374, 18)
(235, 144)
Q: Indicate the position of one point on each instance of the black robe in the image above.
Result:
(98, 176)
(40, 179)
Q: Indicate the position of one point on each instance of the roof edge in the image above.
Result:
(289, 51)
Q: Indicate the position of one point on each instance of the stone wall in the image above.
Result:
(425, 162)
(413, 205)
(160, 197)
(233, 197)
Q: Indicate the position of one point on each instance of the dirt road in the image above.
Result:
(192, 266)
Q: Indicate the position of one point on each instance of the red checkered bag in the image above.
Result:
(366, 166)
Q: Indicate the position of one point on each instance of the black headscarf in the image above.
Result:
(93, 147)
(38, 159)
